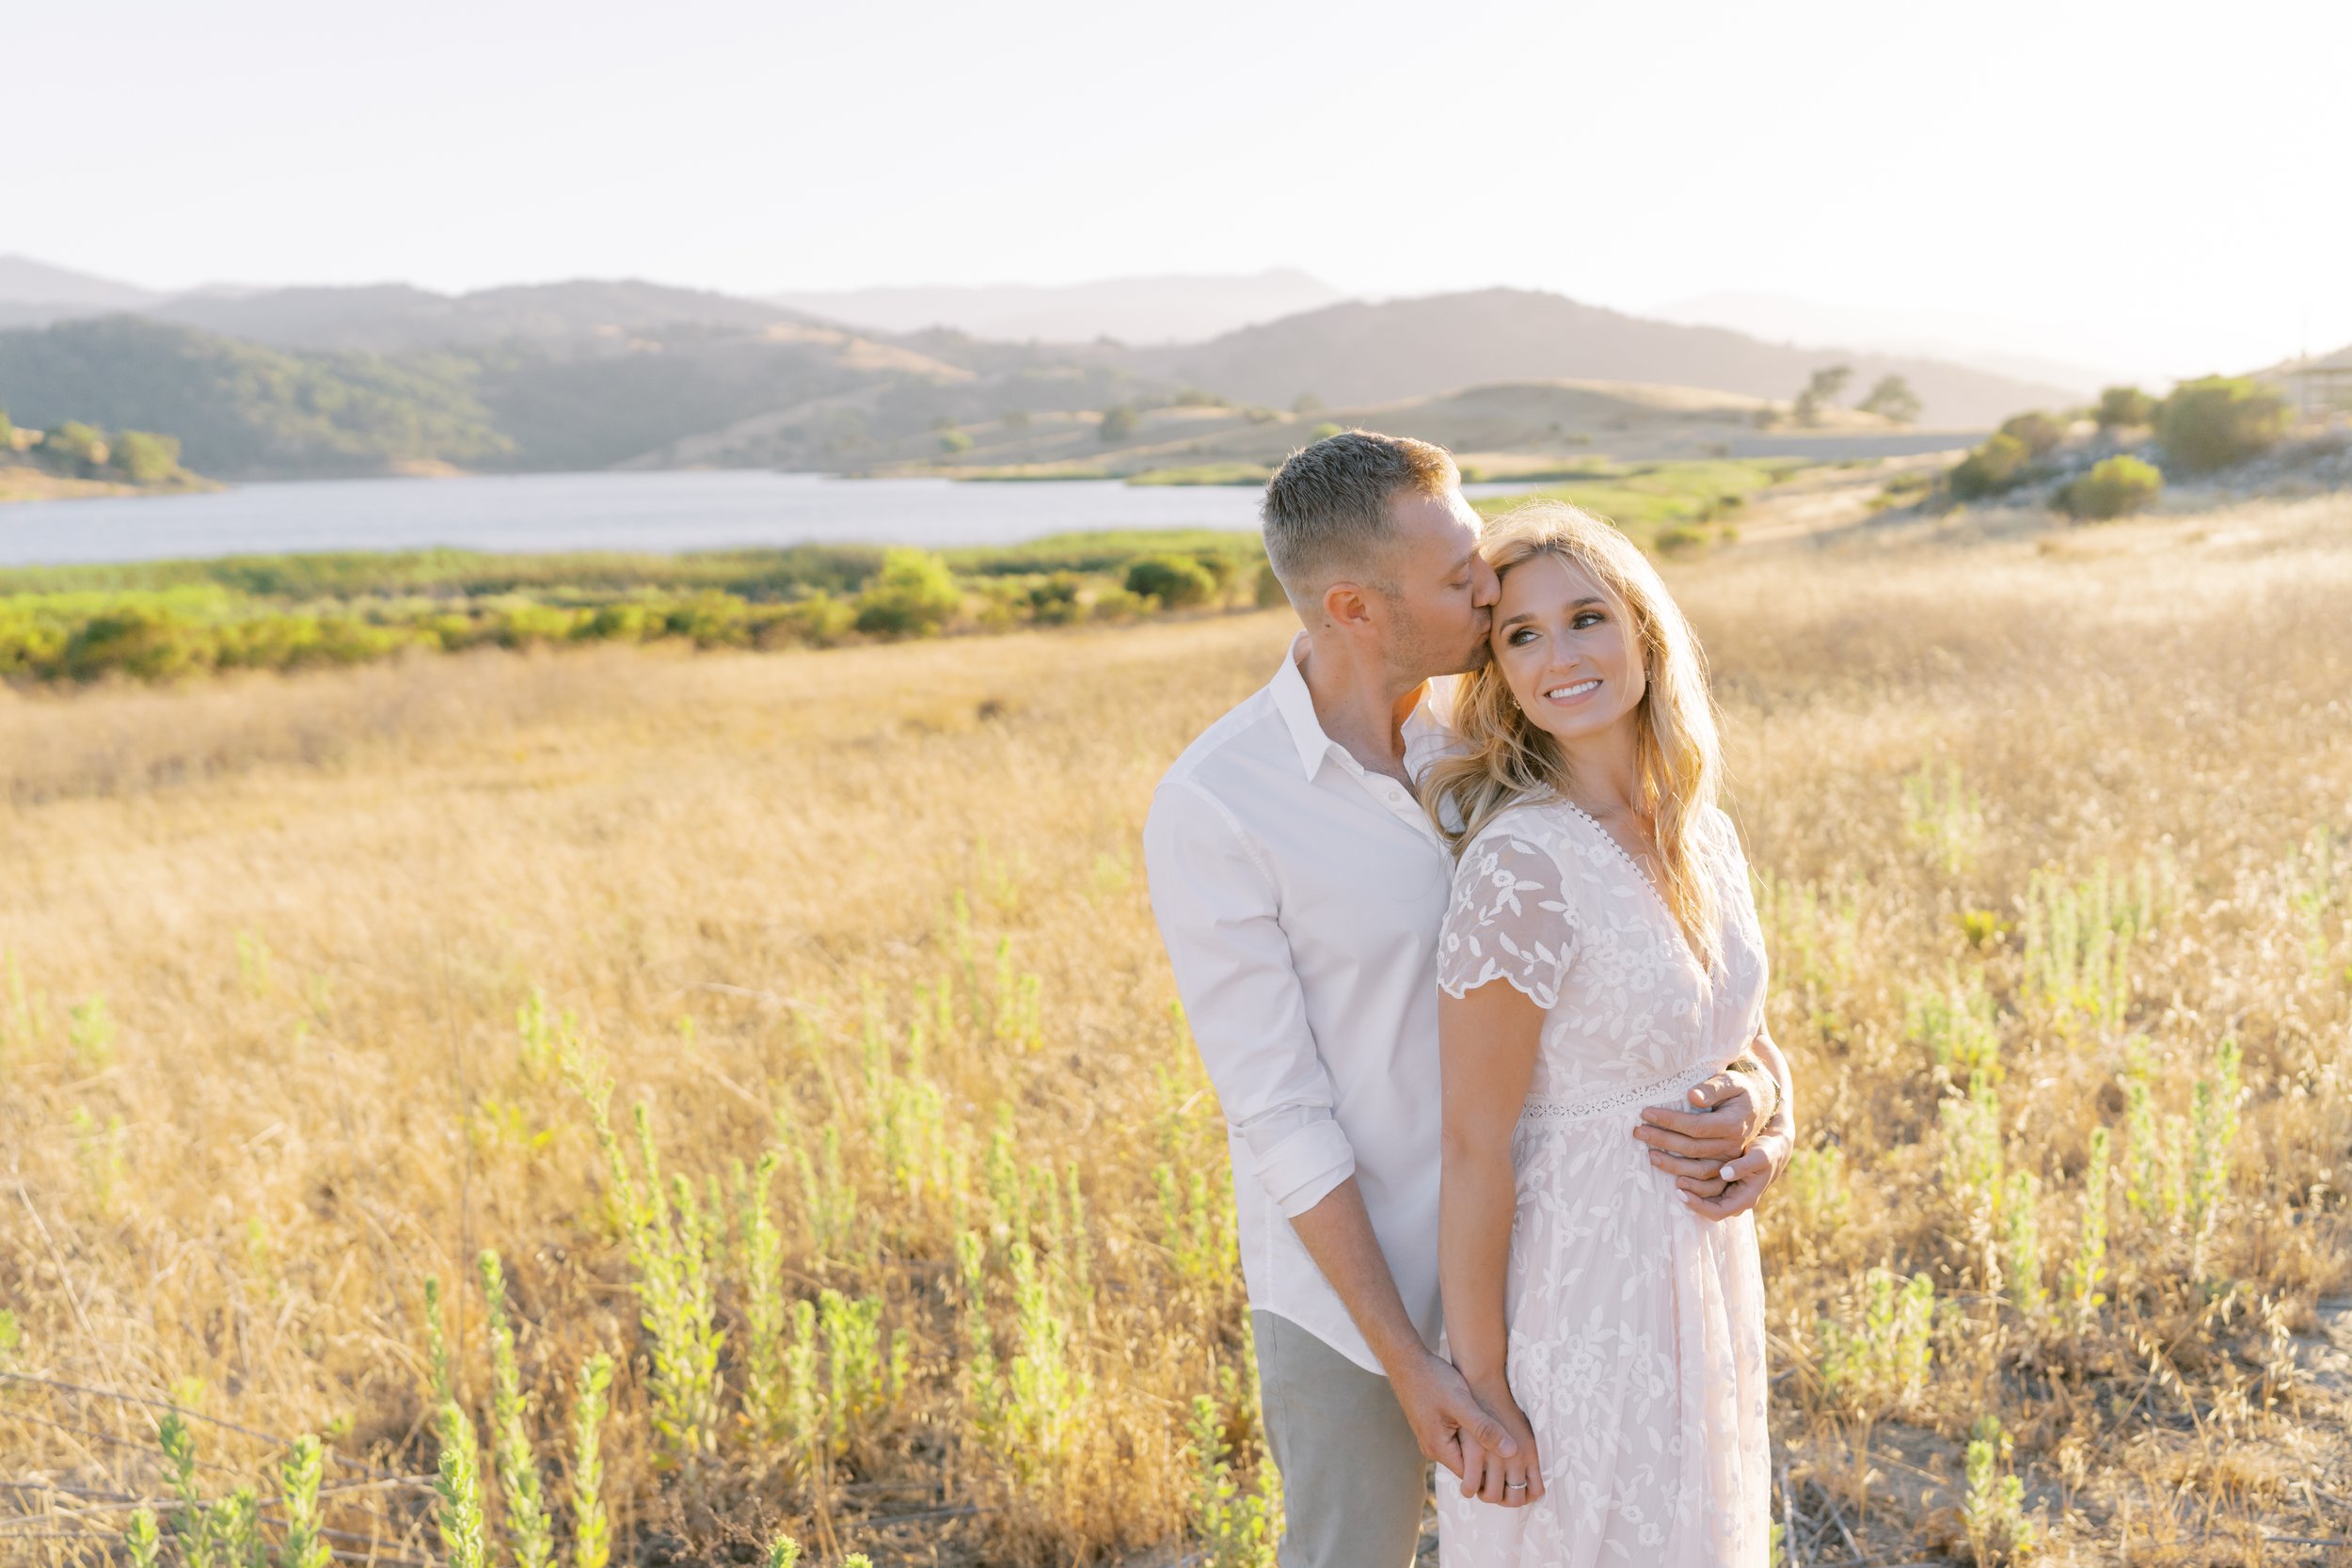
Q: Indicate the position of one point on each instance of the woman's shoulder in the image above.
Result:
(1541, 825)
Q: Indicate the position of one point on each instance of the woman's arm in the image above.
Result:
(1486, 1045)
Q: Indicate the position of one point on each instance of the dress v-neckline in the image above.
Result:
(1681, 938)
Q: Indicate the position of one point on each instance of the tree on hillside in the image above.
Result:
(145, 457)
(2120, 406)
(1118, 422)
(1306, 402)
(2220, 419)
(1891, 399)
(2036, 432)
(1825, 384)
(77, 446)
(8, 432)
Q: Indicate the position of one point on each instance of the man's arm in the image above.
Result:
(1454, 1429)
(1216, 910)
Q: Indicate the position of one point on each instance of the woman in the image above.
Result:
(1601, 955)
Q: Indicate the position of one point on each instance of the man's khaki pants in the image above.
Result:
(1353, 1477)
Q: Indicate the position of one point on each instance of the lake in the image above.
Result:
(602, 512)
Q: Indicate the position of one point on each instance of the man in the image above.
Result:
(1299, 888)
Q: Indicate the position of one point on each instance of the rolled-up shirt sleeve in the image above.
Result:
(1217, 911)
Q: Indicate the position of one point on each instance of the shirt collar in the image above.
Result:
(1296, 705)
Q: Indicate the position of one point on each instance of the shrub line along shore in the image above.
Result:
(163, 620)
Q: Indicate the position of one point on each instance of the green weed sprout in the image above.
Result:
(527, 1521)
(592, 1530)
(459, 1488)
(299, 1476)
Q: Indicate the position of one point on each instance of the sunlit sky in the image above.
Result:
(2146, 183)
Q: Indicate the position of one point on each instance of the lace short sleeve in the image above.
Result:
(1507, 920)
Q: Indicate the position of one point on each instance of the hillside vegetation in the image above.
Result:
(795, 1033)
(590, 375)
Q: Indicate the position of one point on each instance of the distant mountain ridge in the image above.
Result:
(1358, 353)
(1170, 310)
(598, 374)
(393, 318)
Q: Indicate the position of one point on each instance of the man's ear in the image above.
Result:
(1346, 604)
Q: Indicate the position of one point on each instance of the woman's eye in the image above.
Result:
(1590, 618)
(1521, 635)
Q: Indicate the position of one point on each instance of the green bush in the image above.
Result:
(145, 457)
(1270, 591)
(145, 642)
(914, 596)
(1891, 399)
(2217, 421)
(2120, 406)
(1054, 601)
(818, 621)
(1323, 432)
(2115, 486)
(954, 441)
(76, 446)
(1993, 467)
(1175, 580)
(1118, 422)
(2036, 432)
(1117, 604)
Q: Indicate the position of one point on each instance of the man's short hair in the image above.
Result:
(1327, 511)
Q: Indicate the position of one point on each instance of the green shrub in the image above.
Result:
(145, 642)
(2120, 406)
(1270, 591)
(914, 596)
(2115, 486)
(1054, 601)
(1175, 580)
(2217, 421)
(1323, 431)
(820, 621)
(1118, 422)
(1993, 467)
(2036, 432)
(145, 457)
(1117, 604)
(954, 441)
(1193, 397)
(522, 626)
(80, 448)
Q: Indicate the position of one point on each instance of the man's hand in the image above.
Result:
(1700, 1146)
(1512, 1479)
(1748, 1175)
(1454, 1429)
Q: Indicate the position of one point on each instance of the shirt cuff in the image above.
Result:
(1300, 1170)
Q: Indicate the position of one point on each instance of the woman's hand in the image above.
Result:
(1508, 1482)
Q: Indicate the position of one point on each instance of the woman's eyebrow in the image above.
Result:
(1514, 620)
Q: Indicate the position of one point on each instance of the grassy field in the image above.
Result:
(314, 986)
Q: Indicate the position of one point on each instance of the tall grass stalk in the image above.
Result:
(528, 1527)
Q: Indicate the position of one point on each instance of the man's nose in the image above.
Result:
(1486, 587)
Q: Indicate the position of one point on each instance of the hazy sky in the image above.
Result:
(2158, 183)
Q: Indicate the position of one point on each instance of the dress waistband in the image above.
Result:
(1632, 1097)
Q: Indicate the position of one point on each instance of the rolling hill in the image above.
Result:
(394, 318)
(1358, 353)
(1130, 309)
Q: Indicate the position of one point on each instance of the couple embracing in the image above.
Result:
(1475, 970)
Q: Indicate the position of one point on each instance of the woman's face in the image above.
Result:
(1567, 648)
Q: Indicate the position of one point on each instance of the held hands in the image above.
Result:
(1511, 1480)
(1463, 1433)
(1722, 1152)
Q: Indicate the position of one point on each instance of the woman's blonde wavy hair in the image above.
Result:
(1677, 757)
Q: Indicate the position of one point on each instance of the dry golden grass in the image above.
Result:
(280, 931)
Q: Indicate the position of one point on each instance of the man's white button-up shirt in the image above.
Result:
(1300, 896)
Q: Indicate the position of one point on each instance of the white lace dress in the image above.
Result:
(1636, 1327)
